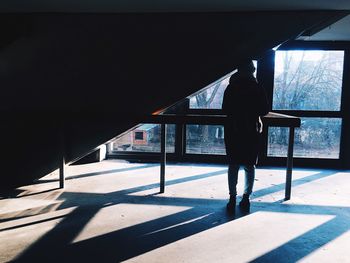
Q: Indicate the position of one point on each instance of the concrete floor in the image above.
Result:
(112, 212)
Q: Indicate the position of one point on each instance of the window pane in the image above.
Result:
(308, 80)
(205, 139)
(145, 138)
(316, 138)
(211, 97)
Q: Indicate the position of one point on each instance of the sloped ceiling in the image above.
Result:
(339, 31)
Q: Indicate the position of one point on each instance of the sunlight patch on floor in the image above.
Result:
(20, 234)
(241, 240)
(19, 207)
(335, 251)
(116, 217)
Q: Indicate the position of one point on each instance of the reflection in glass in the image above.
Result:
(145, 138)
(308, 80)
(205, 139)
(316, 138)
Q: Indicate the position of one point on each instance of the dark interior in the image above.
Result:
(72, 81)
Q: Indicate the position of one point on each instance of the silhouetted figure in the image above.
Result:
(244, 102)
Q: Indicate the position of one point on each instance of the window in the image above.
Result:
(138, 135)
(205, 139)
(309, 83)
(316, 138)
(211, 97)
(145, 138)
(308, 80)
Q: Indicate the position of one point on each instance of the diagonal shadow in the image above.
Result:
(70, 199)
(117, 195)
(201, 215)
(113, 171)
(135, 240)
(301, 246)
(27, 212)
(140, 238)
(154, 237)
(31, 223)
(52, 246)
(140, 244)
(295, 182)
(67, 203)
(38, 193)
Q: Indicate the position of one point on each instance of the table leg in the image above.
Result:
(61, 159)
(289, 164)
(162, 157)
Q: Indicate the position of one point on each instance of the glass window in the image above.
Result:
(145, 138)
(212, 96)
(308, 80)
(205, 139)
(316, 138)
(138, 136)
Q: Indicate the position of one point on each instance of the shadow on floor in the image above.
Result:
(112, 171)
(296, 182)
(201, 215)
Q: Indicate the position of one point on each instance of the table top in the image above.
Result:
(271, 119)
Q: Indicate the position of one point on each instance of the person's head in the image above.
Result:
(246, 67)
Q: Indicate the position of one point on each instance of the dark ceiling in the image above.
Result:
(169, 5)
(339, 31)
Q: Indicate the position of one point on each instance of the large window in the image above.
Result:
(309, 83)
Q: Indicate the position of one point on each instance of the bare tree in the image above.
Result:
(206, 97)
(309, 84)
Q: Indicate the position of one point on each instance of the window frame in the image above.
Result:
(316, 162)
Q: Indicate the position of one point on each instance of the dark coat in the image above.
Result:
(244, 101)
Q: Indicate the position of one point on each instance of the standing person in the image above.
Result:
(244, 102)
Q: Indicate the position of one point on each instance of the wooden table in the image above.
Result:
(271, 119)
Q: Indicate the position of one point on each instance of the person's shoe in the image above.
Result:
(244, 204)
(231, 205)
